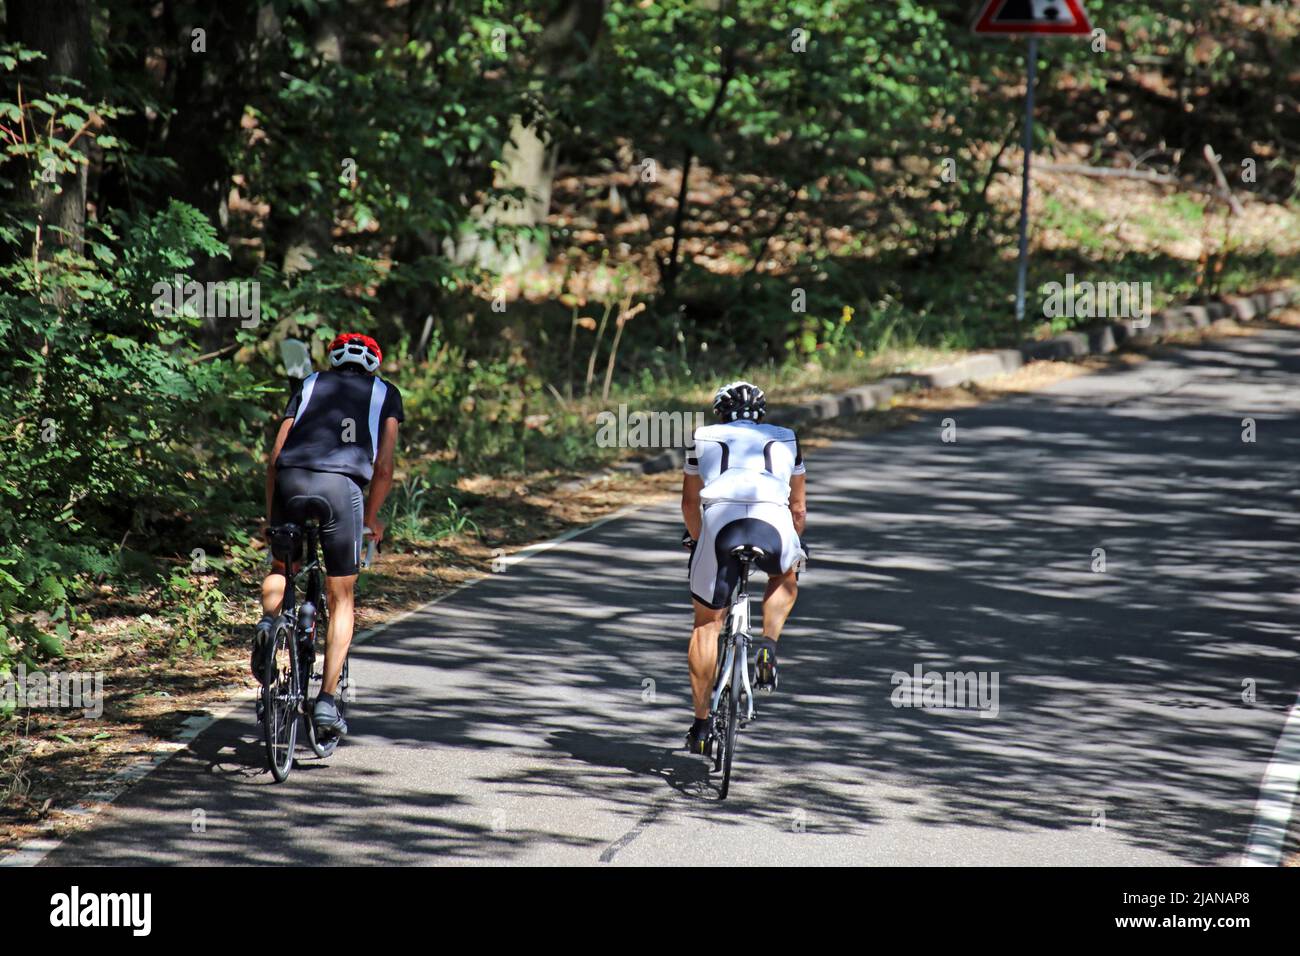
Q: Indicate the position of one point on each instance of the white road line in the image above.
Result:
(33, 851)
(532, 550)
(1277, 793)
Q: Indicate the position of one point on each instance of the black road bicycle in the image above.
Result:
(285, 699)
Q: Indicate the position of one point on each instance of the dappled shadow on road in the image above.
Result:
(545, 705)
(622, 752)
(1120, 691)
(217, 805)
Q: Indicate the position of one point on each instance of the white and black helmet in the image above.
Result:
(739, 400)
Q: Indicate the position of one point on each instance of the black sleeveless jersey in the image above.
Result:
(337, 419)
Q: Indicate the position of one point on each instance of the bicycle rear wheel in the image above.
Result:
(281, 700)
(325, 746)
(729, 706)
(719, 742)
(720, 715)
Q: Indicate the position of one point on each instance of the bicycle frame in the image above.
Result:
(735, 647)
(289, 604)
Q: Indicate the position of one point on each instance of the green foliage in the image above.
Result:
(802, 97)
(109, 415)
(197, 614)
(391, 148)
(415, 514)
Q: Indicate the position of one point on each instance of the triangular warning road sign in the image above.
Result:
(1032, 16)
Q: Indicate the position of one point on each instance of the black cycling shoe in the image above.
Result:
(325, 715)
(765, 664)
(699, 739)
(261, 643)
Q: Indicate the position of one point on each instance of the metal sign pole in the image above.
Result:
(1024, 185)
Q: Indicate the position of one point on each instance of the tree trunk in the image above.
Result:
(529, 160)
(61, 30)
(209, 76)
(209, 93)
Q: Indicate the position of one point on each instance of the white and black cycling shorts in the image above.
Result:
(732, 524)
(335, 501)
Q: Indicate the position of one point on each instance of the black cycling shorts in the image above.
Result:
(333, 500)
(714, 573)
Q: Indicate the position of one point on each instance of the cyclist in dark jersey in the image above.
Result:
(332, 461)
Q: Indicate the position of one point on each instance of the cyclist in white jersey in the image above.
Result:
(743, 485)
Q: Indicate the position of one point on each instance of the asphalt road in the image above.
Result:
(515, 723)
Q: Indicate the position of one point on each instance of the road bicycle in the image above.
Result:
(732, 704)
(284, 701)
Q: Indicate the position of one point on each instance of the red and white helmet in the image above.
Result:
(354, 347)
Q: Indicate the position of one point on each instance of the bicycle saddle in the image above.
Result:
(284, 539)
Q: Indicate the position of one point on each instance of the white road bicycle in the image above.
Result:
(732, 703)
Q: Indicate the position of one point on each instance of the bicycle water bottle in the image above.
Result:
(307, 618)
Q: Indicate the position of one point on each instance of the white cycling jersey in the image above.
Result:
(745, 461)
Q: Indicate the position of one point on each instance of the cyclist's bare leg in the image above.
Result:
(782, 589)
(273, 589)
(703, 654)
(339, 638)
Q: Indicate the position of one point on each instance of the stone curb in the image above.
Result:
(982, 366)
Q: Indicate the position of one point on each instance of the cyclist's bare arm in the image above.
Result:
(270, 463)
(382, 480)
(798, 502)
(691, 487)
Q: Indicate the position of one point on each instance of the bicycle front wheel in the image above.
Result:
(281, 697)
